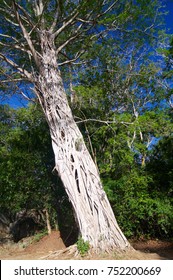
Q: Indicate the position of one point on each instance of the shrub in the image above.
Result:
(82, 246)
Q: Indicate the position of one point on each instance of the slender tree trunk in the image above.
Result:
(49, 229)
(73, 162)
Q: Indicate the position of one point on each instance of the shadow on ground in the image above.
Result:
(163, 248)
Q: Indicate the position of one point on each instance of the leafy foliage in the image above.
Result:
(124, 151)
(26, 160)
(26, 164)
(82, 246)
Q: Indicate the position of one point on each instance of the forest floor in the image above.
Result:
(52, 247)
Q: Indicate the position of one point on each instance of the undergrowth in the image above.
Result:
(82, 246)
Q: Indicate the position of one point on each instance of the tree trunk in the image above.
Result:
(73, 162)
(49, 229)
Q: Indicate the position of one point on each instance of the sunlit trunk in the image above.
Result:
(73, 162)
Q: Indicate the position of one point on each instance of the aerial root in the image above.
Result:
(71, 250)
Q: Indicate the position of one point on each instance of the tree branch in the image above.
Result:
(107, 10)
(57, 14)
(23, 72)
(72, 60)
(17, 47)
(26, 35)
(9, 37)
(70, 39)
(11, 80)
(101, 121)
(12, 22)
(28, 17)
(65, 24)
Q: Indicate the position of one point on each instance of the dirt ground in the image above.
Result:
(52, 247)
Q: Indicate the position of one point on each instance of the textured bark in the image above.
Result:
(73, 162)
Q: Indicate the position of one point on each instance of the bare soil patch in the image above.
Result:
(52, 247)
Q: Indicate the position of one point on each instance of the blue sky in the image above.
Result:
(169, 17)
(20, 102)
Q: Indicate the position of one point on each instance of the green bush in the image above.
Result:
(82, 246)
(137, 210)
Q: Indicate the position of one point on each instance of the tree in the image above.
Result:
(38, 38)
(128, 184)
(134, 104)
(160, 165)
(26, 162)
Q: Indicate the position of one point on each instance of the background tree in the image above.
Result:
(26, 158)
(129, 184)
(123, 125)
(26, 161)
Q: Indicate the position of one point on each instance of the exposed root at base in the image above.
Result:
(71, 250)
(73, 253)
